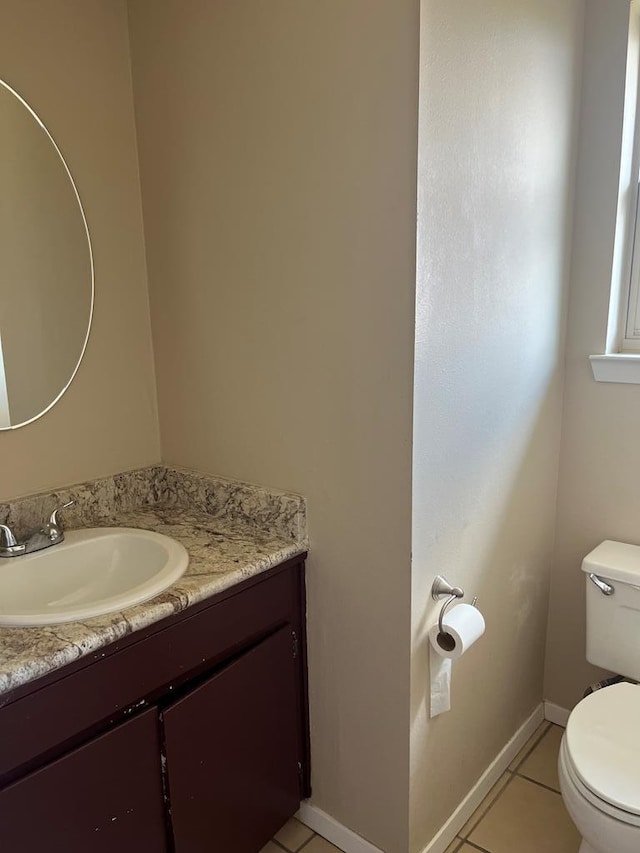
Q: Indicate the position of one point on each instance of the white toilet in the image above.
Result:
(599, 761)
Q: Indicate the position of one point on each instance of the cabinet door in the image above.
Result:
(232, 753)
(103, 796)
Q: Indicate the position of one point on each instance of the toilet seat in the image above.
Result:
(587, 794)
(602, 750)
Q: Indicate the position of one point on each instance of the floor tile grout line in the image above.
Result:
(546, 726)
(540, 784)
(491, 805)
(298, 849)
(476, 846)
(304, 843)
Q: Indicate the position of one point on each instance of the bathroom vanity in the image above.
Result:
(174, 721)
(184, 732)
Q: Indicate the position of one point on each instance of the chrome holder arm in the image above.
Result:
(442, 589)
(443, 610)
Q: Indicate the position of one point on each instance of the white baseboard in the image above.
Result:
(476, 795)
(347, 840)
(329, 828)
(556, 714)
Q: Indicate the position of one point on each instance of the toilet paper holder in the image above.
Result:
(441, 588)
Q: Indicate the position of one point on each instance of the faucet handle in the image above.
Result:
(7, 533)
(53, 519)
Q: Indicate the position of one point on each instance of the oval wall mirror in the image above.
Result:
(46, 267)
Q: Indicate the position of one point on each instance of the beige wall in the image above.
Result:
(499, 96)
(69, 60)
(598, 495)
(278, 150)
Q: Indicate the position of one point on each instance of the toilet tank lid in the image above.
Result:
(616, 561)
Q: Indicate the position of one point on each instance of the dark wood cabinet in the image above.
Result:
(190, 736)
(103, 796)
(232, 751)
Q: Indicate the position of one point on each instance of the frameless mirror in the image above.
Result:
(46, 267)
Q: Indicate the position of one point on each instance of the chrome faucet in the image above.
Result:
(44, 537)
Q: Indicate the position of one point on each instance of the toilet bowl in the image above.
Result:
(599, 761)
(599, 769)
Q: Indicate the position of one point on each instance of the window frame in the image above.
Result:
(621, 359)
(631, 302)
(627, 237)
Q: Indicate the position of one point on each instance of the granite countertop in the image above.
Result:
(224, 549)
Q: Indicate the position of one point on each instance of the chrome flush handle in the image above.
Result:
(604, 587)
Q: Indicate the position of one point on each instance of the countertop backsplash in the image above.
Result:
(102, 502)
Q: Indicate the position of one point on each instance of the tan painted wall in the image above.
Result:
(499, 98)
(279, 157)
(278, 150)
(598, 495)
(69, 60)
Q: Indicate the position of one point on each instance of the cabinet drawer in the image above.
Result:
(104, 796)
(41, 724)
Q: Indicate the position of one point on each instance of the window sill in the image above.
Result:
(616, 367)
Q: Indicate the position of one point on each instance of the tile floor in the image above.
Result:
(523, 812)
(294, 837)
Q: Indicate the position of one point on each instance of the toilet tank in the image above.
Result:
(613, 621)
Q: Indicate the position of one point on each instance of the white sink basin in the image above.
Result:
(94, 571)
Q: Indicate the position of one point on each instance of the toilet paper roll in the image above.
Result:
(463, 625)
